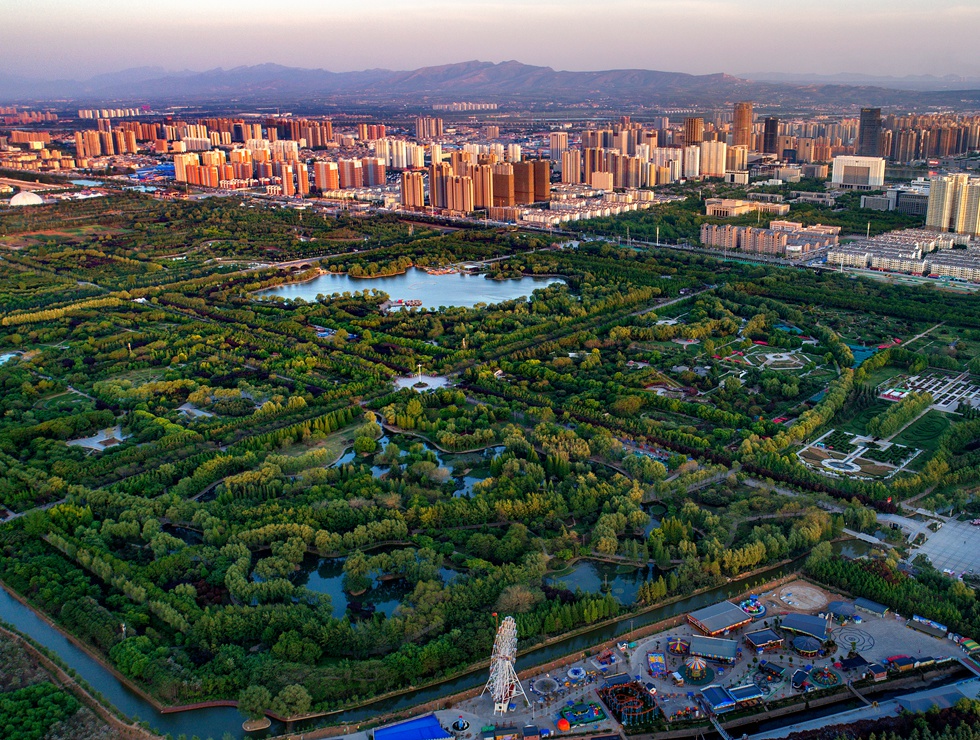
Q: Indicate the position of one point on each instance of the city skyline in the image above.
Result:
(79, 40)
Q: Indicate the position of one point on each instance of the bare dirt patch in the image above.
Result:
(802, 597)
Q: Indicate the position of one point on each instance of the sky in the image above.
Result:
(75, 39)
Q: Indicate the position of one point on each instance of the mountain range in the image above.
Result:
(474, 80)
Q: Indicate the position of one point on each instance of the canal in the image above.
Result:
(216, 722)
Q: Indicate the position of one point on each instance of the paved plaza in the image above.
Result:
(955, 547)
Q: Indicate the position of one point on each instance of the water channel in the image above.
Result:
(434, 291)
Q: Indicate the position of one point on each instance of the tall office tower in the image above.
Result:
(770, 136)
(483, 186)
(326, 176)
(439, 175)
(693, 131)
(523, 182)
(428, 128)
(351, 173)
(503, 184)
(571, 167)
(713, 158)
(413, 189)
(513, 153)
(459, 194)
(692, 161)
(742, 124)
(558, 141)
(869, 133)
(542, 180)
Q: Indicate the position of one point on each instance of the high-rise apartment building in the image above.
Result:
(483, 186)
(326, 176)
(439, 175)
(742, 125)
(692, 161)
(558, 144)
(954, 204)
(571, 167)
(503, 185)
(428, 128)
(770, 135)
(869, 133)
(459, 194)
(351, 173)
(413, 189)
(737, 158)
(523, 182)
(693, 131)
(542, 180)
(713, 158)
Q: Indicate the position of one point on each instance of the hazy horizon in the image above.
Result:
(78, 39)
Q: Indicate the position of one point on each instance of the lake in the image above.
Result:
(326, 576)
(592, 576)
(434, 291)
(6, 357)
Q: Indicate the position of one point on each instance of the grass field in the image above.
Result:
(858, 421)
(334, 443)
(925, 432)
(881, 375)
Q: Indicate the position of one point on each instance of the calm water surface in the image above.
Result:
(433, 290)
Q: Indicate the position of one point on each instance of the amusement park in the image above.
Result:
(729, 663)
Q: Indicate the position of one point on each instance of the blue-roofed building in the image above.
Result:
(746, 695)
(871, 607)
(426, 727)
(718, 699)
(804, 624)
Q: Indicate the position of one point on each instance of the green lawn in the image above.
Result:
(925, 432)
(856, 422)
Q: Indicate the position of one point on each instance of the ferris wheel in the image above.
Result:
(504, 685)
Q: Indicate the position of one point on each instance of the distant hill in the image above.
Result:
(473, 80)
(907, 82)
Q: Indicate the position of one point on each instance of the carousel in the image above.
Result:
(678, 645)
(697, 672)
(753, 607)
